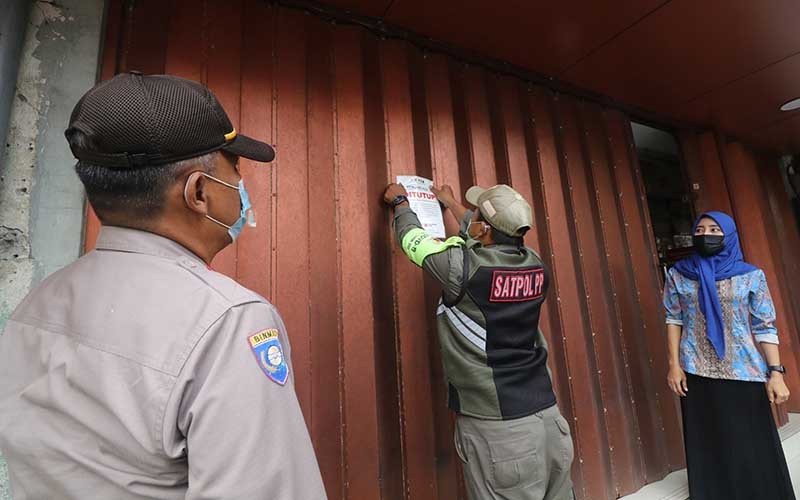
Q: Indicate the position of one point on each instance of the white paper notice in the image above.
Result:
(424, 203)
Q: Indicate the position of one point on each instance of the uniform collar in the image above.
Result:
(502, 247)
(125, 239)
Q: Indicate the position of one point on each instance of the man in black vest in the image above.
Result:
(510, 435)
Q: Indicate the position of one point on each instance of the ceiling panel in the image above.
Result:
(783, 136)
(545, 36)
(691, 47)
(750, 104)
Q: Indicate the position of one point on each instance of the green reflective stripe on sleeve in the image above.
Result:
(418, 244)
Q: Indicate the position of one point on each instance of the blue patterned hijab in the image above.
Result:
(708, 270)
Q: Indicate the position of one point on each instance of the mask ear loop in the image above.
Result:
(186, 198)
(226, 184)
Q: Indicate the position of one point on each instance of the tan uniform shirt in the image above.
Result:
(138, 372)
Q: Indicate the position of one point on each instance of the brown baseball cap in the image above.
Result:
(134, 121)
(503, 208)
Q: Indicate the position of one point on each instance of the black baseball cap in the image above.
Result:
(134, 121)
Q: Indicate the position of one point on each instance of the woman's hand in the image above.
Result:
(776, 389)
(676, 379)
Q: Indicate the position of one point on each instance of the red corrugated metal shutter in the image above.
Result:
(347, 112)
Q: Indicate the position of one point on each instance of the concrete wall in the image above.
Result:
(12, 34)
(41, 199)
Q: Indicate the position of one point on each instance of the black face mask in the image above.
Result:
(708, 245)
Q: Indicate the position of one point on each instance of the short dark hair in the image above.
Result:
(130, 193)
(502, 238)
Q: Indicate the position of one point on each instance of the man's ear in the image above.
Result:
(488, 234)
(194, 193)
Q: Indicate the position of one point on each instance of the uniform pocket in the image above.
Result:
(515, 463)
(562, 424)
(567, 447)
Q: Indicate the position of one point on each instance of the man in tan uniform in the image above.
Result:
(138, 371)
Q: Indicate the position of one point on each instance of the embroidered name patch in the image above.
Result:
(268, 351)
(517, 286)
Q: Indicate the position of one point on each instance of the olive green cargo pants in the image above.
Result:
(527, 458)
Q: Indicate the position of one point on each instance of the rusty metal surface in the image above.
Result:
(639, 240)
(714, 190)
(347, 112)
(782, 243)
(784, 231)
(656, 55)
(751, 210)
(605, 268)
(565, 33)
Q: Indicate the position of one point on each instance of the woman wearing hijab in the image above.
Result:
(717, 307)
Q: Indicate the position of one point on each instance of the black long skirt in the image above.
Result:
(733, 451)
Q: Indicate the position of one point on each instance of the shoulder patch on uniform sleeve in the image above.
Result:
(266, 347)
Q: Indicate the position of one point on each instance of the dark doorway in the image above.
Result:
(668, 195)
(791, 173)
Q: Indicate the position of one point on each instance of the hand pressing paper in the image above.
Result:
(424, 203)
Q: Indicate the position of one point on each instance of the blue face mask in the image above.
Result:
(246, 215)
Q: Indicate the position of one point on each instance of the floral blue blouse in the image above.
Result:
(748, 313)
